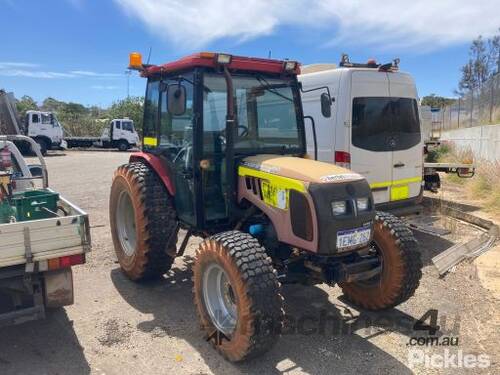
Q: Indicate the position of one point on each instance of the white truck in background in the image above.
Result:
(120, 134)
(42, 127)
(45, 130)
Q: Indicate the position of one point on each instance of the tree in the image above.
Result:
(131, 107)
(52, 105)
(26, 103)
(435, 101)
(484, 62)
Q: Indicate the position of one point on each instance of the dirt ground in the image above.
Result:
(119, 327)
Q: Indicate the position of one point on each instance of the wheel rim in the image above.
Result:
(219, 299)
(125, 220)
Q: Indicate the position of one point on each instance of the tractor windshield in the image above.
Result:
(268, 120)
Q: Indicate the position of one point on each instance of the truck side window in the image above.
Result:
(127, 125)
(117, 124)
(35, 118)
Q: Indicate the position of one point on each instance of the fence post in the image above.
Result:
(491, 101)
(471, 106)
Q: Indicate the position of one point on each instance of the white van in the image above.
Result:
(374, 128)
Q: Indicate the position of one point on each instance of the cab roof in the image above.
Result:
(209, 60)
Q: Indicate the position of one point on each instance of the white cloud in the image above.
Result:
(404, 23)
(11, 65)
(88, 73)
(101, 87)
(33, 74)
(30, 70)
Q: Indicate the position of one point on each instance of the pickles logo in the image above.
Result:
(448, 359)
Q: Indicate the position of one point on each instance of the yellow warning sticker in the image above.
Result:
(400, 192)
(274, 196)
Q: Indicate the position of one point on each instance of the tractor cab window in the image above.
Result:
(266, 110)
(151, 113)
(35, 118)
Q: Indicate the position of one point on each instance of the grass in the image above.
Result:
(484, 186)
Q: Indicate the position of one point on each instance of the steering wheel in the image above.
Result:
(244, 133)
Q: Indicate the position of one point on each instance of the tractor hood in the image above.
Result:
(307, 170)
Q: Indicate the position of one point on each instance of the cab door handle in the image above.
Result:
(399, 165)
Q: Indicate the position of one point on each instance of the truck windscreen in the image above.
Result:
(385, 124)
(266, 112)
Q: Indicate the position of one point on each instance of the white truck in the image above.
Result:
(42, 235)
(45, 130)
(374, 128)
(120, 134)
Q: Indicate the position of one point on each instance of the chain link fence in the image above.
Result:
(477, 107)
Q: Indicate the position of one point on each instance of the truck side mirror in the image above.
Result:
(176, 99)
(326, 105)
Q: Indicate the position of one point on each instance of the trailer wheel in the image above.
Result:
(237, 295)
(143, 222)
(401, 267)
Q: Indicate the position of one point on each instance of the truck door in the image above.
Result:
(370, 143)
(407, 157)
(117, 130)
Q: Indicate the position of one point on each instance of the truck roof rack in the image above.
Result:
(371, 63)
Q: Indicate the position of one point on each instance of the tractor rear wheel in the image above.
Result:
(237, 295)
(397, 248)
(143, 222)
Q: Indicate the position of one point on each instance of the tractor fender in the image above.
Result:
(158, 166)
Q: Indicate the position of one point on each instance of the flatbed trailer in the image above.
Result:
(432, 181)
(36, 255)
(73, 142)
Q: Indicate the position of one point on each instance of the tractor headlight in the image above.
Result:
(363, 204)
(339, 208)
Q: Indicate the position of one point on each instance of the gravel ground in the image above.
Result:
(118, 327)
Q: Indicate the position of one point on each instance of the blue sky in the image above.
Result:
(77, 50)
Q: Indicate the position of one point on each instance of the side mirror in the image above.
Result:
(35, 170)
(176, 99)
(326, 105)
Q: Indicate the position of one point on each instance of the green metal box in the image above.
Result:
(35, 204)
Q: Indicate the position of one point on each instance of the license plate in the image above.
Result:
(353, 237)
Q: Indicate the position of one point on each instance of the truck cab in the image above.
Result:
(45, 129)
(119, 134)
(374, 128)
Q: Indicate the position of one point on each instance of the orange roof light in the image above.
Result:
(135, 61)
(207, 55)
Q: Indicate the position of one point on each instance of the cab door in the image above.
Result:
(370, 149)
(407, 156)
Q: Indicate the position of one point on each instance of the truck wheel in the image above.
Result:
(123, 146)
(397, 248)
(43, 146)
(237, 295)
(143, 222)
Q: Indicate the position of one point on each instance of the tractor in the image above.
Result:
(224, 158)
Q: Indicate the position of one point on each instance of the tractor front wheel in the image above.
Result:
(237, 295)
(396, 247)
(143, 222)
